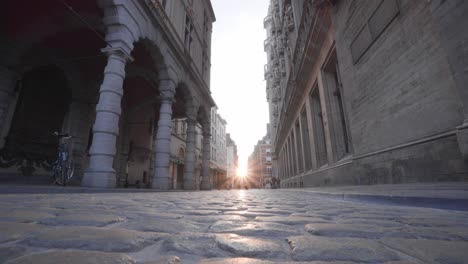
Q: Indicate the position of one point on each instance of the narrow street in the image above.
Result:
(236, 226)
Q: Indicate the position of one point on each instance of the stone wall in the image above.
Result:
(400, 66)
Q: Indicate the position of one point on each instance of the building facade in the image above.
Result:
(232, 160)
(260, 164)
(177, 160)
(218, 151)
(367, 92)
(113, 74)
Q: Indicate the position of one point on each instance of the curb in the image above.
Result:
(415, 201)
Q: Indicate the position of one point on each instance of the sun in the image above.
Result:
(241, 172)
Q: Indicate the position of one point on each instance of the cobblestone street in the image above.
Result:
(246, 226)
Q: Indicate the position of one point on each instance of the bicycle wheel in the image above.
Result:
(57, 174)
(70, 169)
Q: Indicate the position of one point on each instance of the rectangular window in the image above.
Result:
(292, 140)
(306, 140)
(336, 112)
(300, 157)
(319, 130)
(188, 33)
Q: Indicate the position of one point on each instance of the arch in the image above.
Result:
(43, 101)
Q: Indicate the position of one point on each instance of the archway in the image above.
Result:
(41, 107)
(140, 112)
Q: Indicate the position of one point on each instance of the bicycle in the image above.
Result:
(63, 168)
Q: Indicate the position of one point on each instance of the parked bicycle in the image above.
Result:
(63, 168)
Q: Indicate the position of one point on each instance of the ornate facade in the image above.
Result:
(113, 74)
(367, 92)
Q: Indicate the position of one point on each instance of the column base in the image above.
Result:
(462, 137)
(98, 179)
(160, 184)
(190, 185)
(205, 186)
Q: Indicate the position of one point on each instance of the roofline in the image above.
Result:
(210, 7)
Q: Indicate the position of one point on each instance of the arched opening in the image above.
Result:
(180, 169)
(140, 112)
(58, 54)
(43, 101)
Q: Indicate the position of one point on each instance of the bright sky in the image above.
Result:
(237, 82)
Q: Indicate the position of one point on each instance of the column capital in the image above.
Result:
(191, 121)
(192, 110)
(119, 52)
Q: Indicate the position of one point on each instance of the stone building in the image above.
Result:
(177, 160)
(232, 160)
(218, 150)
(113, 74)
(368, 92)
(260, 163)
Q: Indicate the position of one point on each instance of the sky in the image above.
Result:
(237, 80)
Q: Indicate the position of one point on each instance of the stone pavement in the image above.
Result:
(73, 225)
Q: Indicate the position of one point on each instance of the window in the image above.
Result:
(319, 130)
(300, 158)
(306, 140)
(336, 117)
(188, 33)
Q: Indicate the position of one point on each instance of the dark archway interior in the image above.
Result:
(43, 101)
(56, 55)
(140, 113)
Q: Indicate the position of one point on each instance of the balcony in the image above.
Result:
(266, 20)
(266, 43)
(267, 71)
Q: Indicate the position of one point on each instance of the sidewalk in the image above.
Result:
(450, 196)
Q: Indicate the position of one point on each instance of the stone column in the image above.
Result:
(190, 145)
(163, 136)
(100, 172)
(206, 149)
(8, 81)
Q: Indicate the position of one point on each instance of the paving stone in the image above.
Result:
(253, 228)
(214, 218)
(315, 248)
(173, 226)
(23, 216)
(74, 257)
(93, 238)
(291, 220)
(437, 233)
(244, 246)
(82, 220)
(165, 260)
(356, 230)
(431, 251)
(14, 231)
(193, 244)
(259, 261)
(8, 253)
